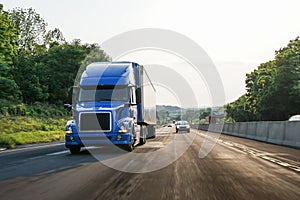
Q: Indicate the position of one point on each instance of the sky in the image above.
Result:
(236, 35)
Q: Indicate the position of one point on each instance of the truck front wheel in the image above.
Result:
(74, 150)
(127, 147)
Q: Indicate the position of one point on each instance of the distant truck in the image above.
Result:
(114, 102)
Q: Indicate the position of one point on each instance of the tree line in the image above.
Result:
(39, 65)
(272, 90)
(36, 64)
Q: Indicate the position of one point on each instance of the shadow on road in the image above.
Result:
(22, 165)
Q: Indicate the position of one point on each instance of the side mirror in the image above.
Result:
(73, 94)
(68, 107)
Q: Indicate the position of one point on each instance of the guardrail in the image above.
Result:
(277, 132)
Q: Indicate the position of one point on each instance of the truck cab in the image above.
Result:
(114, 102)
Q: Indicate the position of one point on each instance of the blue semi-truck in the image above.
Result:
(114, 102)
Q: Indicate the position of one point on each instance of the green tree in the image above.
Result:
(31, 29)
(8, 50)
(54, 37)
(27, 75)
(237, 110)
(9, 90)
(45, 65)
(163, 115)
(273, 90)
(204, 113)
(59, 68)
(8, 39)
(33, 44)
(286, 79)
(258, 85)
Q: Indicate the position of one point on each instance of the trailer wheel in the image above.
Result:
(143, 136)
(142, 141)
(74, 150)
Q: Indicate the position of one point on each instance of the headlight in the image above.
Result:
(122, 129)
(69, 126)
(68, 130)
(123, 125)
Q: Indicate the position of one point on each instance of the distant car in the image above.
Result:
(182, 126)
(169, 125)
(294, 118)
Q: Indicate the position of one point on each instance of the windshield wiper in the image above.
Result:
(104, 99)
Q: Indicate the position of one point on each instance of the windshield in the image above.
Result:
(103, 93)
(182, 123)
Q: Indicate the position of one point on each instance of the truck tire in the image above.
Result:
(142, 141)
(74, 150)
(127, 147)
(143, 135)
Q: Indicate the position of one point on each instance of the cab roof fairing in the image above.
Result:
(115, 73)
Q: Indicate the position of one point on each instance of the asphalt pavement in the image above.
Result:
(235, 168)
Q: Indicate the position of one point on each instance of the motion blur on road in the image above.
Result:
(236, 168)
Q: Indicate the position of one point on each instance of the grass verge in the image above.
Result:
(16, 130)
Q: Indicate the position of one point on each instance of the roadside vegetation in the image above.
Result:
(37, 66)
(24, 124)
(272, 90)
(25, 130)
(36, 123)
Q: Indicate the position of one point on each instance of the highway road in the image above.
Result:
(235, 168)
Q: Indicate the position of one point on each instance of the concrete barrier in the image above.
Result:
(215, 128)
(236, 128)
(229, 128)
(262, 131)
(251, 130)
(276, 132)
(203, 127)
(243, 129)
(292, 134)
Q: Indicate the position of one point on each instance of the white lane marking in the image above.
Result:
(263, 155)
(152, 145)
(163, 132)
(49, 154)
(67, 151)
(30, 147)
(57, 153)
(33, 158)
(228, 143)
(92, 147)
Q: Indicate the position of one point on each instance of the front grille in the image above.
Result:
(95, 122)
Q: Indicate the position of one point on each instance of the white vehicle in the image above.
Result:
(182, 126)
(294, 118)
